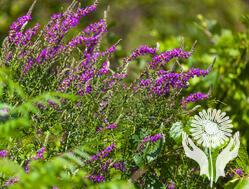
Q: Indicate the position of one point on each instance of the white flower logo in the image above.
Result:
(211, 128)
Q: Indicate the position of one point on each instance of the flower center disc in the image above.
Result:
(210, 127)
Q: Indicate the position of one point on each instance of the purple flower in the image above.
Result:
(87, 75)
(27, 166)
(104, 69)
(29, 33)
(239, 172)
(155, 137)
(49, 53)
(193, 98)
(87, 10)
(11, 181)
(152, 138)
(66, 83)
(9, 56)
(119, 166)
(166, 56)
(99, 129)
(111, 126)
(28, 65)
(17, 25)
(97, 178)
(170, 80)
(40, 153)
(4, 112)
(3, 153)
(24, 38)
(145, 82)
(105, 166)
(171, 185)
(110, 50)
(90, 35)
(17, 36)
(88, 89)
(104, 153)
(119, 76)
(141, 51)
(59, 24)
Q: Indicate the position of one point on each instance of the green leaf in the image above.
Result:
(243, 159)
(243, 184)
(10, 168)
(175, 131)
(138, 160)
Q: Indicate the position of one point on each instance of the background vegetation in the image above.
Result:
(221, 31)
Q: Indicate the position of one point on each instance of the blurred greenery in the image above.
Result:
(140, 21)
(219, 27)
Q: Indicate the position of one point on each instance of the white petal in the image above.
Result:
(210, 114)
(226, 121)
(197, 118)
(214, 114)
(217, 115)
(222, 115)
(226, 125)
(205, 114)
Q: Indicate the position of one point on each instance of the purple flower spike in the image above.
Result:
(193, 98)
(88, 89)
(29, 33)
(155, 137)
(87, 10)
(111, 126)
(166, 56)
(27, 166)
(104, 153)
(11, 181)
(17, 36)
(49, 53)
(239, 172)
(104, 69)
(17, 25)
(119, 166)
(171, 185)
(170, 80)
(105, 166)
(40, 153)
(97, 178)
(141, 51)
(145, 82)
(28, 65)
(90, 35)
(152, 138)
(3, 153)
(60, 24)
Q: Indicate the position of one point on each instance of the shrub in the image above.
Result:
(98, 121)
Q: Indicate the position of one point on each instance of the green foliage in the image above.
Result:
(64, 171)
(176, 131)
(243, 159)
(237, 184)
(34, 114)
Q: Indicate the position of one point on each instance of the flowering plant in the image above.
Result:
(105, 126)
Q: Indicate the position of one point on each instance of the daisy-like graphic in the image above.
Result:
(211, 128)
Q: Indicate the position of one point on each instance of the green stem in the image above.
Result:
(211, 162)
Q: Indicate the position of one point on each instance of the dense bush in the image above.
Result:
(73, 115)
